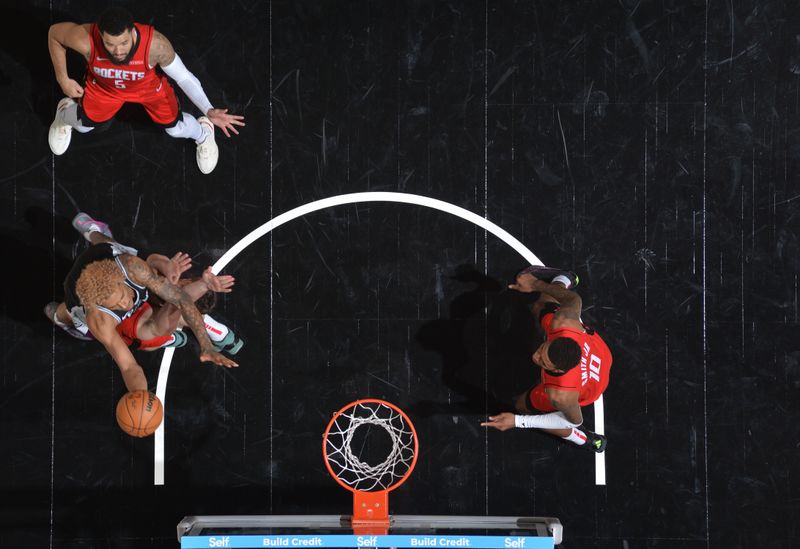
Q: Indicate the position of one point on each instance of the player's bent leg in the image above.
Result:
(140, 331)
(57, 314)
(186, 127)
(521, 403)
(537, 400)
(222, 337)
(207, 149)
(583, 438)
(77, 120)
(202, 131)
(161, 322)
(60, 133)
(93, 230)
(176, 340)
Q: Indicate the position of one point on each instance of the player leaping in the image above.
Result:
(122, 58)
(105, 298)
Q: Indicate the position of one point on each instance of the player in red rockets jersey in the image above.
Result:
(122, 57)
(574, 359)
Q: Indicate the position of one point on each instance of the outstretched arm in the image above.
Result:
(209, 282)
(104, 330)
(553, 423)
(567, 416)
(75, 37)
(171, 268)
(163, 54)
(141, 273)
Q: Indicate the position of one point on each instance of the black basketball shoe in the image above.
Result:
(594, 442)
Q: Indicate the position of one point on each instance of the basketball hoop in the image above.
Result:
(370, 448)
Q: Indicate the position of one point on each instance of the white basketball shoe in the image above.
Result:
(60, 132)
(207, 151)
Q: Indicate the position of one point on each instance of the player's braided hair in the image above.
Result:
(97, 281)
(564, 353)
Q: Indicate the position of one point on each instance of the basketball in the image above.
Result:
(139, 413)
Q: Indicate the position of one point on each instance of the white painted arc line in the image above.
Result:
(161, 393)
(340, 200)
(355, 198)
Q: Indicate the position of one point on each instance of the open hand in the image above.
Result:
(224, 121)
(177, 265)
(218, 359)
(501, 422)
(218, 283)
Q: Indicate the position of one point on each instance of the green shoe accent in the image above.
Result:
(230, 344)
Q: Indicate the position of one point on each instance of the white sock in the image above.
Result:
(206, 132)
(563, 280)
(188, 128)
(216, 330)
(577, 437)
(70, 115)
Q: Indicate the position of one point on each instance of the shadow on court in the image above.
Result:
(485, 345)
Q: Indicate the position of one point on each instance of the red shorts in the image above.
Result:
(540, 401)
(127, 330)
(100, 105)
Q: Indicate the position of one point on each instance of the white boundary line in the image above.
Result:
(353, 198)
(600, 429)
(161, 393)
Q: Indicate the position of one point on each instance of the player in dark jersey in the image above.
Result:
(106, 294)
(122, 58)
(574, 359)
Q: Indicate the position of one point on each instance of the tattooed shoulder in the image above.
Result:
(139, 271)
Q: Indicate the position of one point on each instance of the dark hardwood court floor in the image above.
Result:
(652, 147)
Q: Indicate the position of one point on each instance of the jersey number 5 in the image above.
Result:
(119, 84)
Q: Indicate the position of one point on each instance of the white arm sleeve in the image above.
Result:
(554, 420)
(188, 83)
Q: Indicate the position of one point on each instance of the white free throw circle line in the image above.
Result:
(353, 198)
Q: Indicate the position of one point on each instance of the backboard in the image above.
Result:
(346, 448)
(405, 531)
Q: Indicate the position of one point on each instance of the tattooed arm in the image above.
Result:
(141, 273)
(569, 303)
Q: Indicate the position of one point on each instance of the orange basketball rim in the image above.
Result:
(347, 439)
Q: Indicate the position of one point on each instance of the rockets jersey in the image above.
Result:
(590, 377)
(129, 80)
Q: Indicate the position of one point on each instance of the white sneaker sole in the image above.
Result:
(60, 133)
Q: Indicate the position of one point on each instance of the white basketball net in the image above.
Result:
(345, 460)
